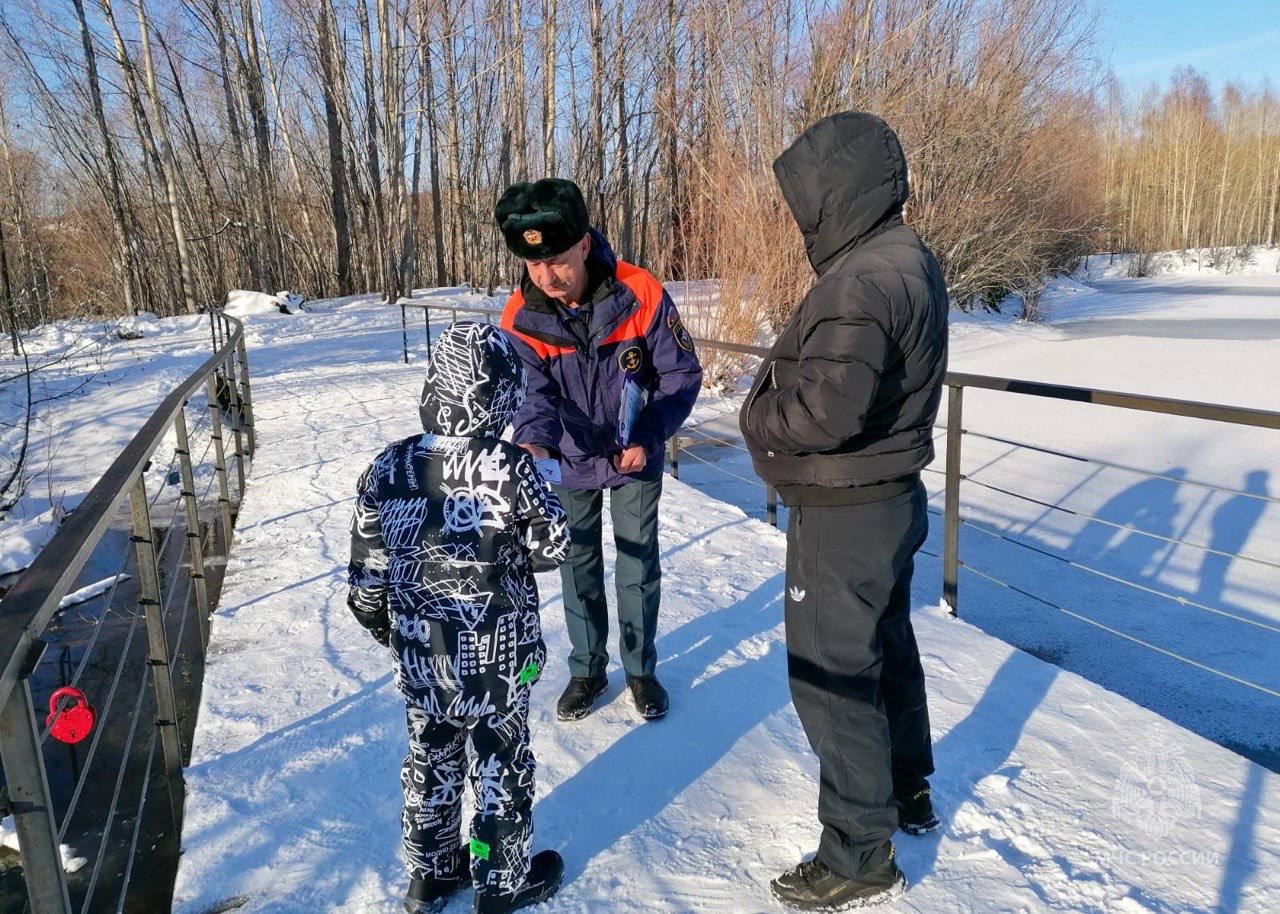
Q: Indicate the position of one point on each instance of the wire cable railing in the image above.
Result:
(1097, 461)
(1080, 617)
(1116, 579)
(108, 599)
(1127, 528)
(193, 536)
(125, 658)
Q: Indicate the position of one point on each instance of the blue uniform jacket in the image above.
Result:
(634, 380)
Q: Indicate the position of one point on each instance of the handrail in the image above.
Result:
(29, 607)
(956, 382)
(26, 609)
(1217, 412)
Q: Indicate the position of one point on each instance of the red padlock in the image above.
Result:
(70, 716)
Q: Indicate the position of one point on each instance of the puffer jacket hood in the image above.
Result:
(475, 382)
(845, 179)
(848, 394)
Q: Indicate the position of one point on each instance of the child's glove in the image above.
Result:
(381, 635)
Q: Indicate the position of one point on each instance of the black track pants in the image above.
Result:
(854, 667)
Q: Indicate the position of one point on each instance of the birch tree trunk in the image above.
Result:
(549, 87)
(326, 28)
(169, 160)
(595, 191)
(623, 150)
(113, 192)
(519, 94)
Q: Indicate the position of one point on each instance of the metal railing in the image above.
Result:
(956, 383)
(952, 515)
(205, 520)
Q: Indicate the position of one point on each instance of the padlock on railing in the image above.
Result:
(71, 717)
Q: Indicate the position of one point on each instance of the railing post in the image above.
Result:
(29, 800)
(404, 331)
(236, 415)
(194, 540)
(951, 507)
(246, 397)
(150, 599)
(213, 330)
(675, 455)
(219, 466)
(771, 504)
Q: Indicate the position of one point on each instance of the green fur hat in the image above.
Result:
(541, 219)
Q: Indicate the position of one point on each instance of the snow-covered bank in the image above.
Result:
(93, 386)
(1248, 260)
(1058, 794)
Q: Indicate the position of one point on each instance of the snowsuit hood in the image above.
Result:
(845, 180)
(475, 382)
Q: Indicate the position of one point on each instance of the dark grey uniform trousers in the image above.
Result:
(637, 574)
(854, 667)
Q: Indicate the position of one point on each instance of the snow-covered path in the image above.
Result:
(1058, 794)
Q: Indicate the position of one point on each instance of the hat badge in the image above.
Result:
(532, 236)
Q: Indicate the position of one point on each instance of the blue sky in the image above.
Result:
(1224, 39)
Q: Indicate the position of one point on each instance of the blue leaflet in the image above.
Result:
(549, 467)
(634, 398)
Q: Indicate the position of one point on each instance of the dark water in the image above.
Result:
(113, 814)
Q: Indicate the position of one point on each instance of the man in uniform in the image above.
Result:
(612, 375)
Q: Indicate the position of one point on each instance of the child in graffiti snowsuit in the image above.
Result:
(449, 528)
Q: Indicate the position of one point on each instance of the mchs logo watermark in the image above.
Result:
(1158, 792)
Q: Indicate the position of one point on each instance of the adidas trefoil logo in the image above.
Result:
(796, 593)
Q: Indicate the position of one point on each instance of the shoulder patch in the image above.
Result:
(677, 328)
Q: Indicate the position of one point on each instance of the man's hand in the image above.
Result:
(538, 451)
(631, 460)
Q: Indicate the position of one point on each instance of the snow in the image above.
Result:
(1057, 793)
(1247, 261)
(243, 303)
(23, 538)
(89, 591)
(93, 385)
(9, 839)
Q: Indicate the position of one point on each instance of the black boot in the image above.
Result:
(649, 695)
(580, 696)
(811, 886)
(546, 870)
(429, 896)
(916, 815)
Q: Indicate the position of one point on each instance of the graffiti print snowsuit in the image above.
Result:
(449, 528)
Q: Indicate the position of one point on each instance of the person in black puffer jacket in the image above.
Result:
(449, 528)
(840, 420)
